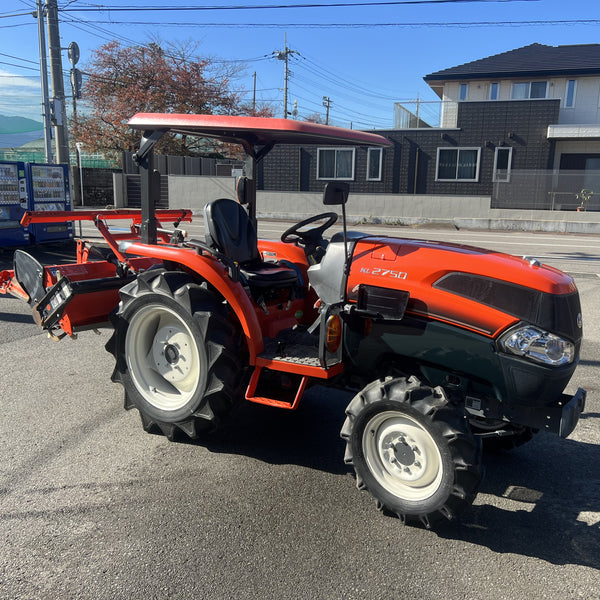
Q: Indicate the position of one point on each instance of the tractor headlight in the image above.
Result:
(538, 345)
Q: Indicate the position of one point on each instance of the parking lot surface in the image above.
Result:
(93, 507)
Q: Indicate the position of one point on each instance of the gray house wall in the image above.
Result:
(409, 165)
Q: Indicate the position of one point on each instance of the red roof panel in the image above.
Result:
(255, 130)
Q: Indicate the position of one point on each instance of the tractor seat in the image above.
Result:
(230, 231)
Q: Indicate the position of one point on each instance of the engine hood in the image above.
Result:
(475, 288)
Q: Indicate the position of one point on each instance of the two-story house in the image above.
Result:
(567, 74)
(522, 127)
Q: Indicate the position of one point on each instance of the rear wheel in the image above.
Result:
(177, 355)
(412, 450)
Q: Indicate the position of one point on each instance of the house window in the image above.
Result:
(538, 89)
(570, 93)
(374, 161)
(457, 164)
(529, 90)
(464, 91)
(502, 164)
(335, 163)
(494, 90)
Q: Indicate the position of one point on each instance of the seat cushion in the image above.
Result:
(268, 275)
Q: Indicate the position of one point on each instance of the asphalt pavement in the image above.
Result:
(92, 507)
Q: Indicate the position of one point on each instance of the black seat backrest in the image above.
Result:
(230, 230)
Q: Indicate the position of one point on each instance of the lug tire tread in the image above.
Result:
(450, 423)
(223, 351)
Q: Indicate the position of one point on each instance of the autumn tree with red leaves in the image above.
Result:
(315, 118)
(121, 81)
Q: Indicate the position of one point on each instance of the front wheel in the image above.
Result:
(177, 355)
(412, 450)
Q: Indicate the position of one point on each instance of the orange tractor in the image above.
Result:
(445, 346)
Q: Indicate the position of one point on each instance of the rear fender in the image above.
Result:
(217, 275)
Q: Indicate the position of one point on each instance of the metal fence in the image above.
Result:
(35, 155)
(549, 190)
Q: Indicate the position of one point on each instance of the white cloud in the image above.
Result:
(20, 96)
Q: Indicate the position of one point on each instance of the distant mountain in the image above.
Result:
(18, 125)
(17, 140)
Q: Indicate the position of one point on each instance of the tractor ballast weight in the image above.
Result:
(445, 347)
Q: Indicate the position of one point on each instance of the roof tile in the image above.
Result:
(535, 59)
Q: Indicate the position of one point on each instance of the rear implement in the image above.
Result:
(68, 298)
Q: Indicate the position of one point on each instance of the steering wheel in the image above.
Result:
(311, 237)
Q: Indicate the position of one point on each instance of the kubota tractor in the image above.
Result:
(444, 345)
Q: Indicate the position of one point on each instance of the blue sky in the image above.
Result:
(363, 58)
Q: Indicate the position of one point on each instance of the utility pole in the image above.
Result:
(326, 104)
(39, 14)
(254, 95)
(284, 55)
(76, 93)
(56, 78)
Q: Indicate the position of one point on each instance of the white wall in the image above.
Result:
(195, 192)
(587, 96)
(186, 191)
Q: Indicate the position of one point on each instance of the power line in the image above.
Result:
(95, 29)
(18, 58)
(340, 105)
(12, 26)
(3, 62)
(324, 81)
(346, 112)
(101, 8)
(348, 89)
(332, 79)
(89, 27)
(318, 78)
(109, 34)
(414, 25)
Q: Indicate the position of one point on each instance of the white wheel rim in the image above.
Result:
(162, 357)
(402, 456)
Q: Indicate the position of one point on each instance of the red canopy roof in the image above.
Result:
(256, 131)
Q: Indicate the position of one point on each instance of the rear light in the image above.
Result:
(538, 345)
(334, 333)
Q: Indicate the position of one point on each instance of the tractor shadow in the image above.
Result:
(308, 436)
(545, 503)
(541, 500)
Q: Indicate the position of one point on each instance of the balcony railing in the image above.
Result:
(420, 114)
